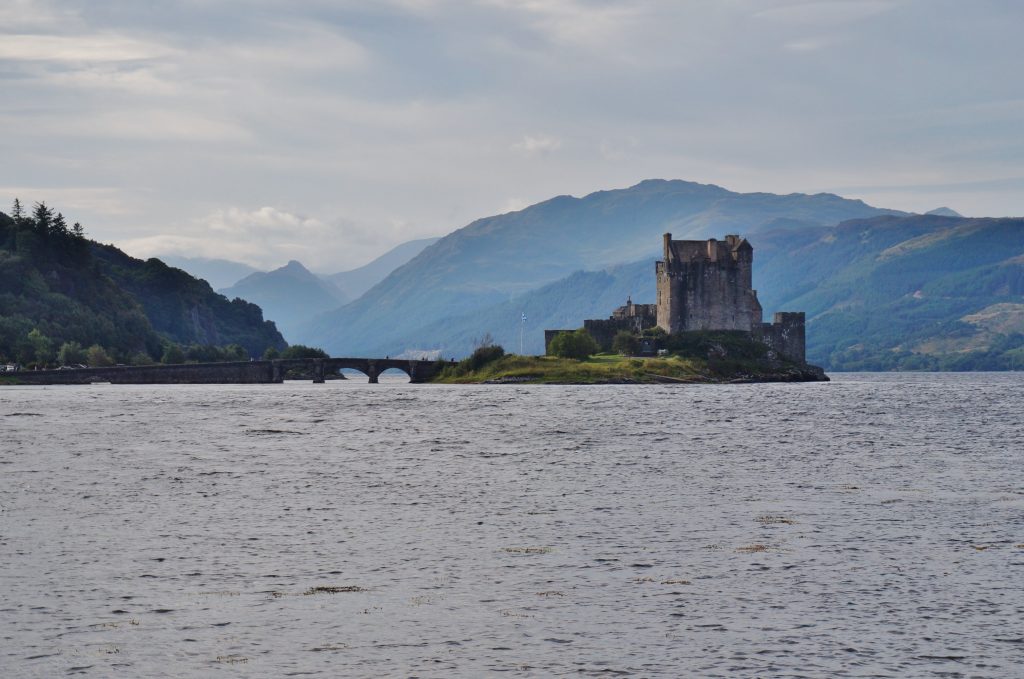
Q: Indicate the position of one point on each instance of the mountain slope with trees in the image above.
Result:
(58, 288)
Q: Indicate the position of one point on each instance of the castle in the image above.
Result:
(704, 285)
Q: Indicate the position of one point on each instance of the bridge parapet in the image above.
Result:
(238, 372)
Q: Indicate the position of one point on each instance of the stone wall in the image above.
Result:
(786, 335)
(604, 330)
(240, 372)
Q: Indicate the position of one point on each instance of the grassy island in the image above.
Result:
(689, 357)
(616, 369)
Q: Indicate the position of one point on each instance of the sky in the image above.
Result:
(329, 131)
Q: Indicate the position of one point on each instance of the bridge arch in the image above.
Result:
(418, 371)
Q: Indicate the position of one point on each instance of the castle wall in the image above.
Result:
(604, 330)
(786, 335)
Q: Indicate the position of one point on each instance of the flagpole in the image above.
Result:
(522, 325)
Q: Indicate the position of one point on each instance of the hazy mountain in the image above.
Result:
(495, 258)
(944, 212)
(289, 295)
(562, 304)
(219, 273)
(357, 281)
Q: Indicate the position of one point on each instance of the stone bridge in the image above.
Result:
(241, 372)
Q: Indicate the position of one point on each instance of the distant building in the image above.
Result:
(704, 285)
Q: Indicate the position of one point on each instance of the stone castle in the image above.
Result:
(704, 285)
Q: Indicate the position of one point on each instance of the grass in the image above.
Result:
(600, 369)
(616, 369)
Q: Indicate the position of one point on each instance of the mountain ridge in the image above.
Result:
(495, 258)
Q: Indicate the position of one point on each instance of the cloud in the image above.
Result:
(825, 12)
(90, 48)
(152, 125)
(572, 22)
(74, 200)
(536, 145)
(385, 121)
(263, 237)
(267, 237)
(809, 44)
(18, 16)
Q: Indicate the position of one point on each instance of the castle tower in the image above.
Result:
(707, 285)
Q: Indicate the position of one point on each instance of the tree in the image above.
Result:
(43, 218)
(173, 355)
(271, 353)
(71, 353)
(97, 357)
(235, 352)
(624, 343)
(140, 358)
(59, 227)
(483, 355)
(578, 345)
(17, 212)
(42, 347)
(302, 351)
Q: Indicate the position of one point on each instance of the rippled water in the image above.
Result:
(872, 526)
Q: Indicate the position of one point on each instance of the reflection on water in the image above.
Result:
(869, 526)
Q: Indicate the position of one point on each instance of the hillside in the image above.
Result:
(289, 296)
(70, 289)
(496, 258)
(355, 282)
(918, 292)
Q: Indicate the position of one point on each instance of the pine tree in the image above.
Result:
(43, 218)
(59, 227)
(17, 212)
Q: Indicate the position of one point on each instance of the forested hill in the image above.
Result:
(59, 289)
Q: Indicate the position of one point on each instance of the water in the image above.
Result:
(873, 526)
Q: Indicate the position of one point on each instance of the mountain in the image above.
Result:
(357, 281)
(67, 288)
(495, 258)
(290, 295)
(904, 293)
(562, 304)
(219, 273)
(916, 292)
(944, 212)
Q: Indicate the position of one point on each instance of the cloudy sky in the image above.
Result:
(328, 131)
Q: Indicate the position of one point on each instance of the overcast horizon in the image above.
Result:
(263, 131)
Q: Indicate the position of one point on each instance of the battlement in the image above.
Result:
(732, 249)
